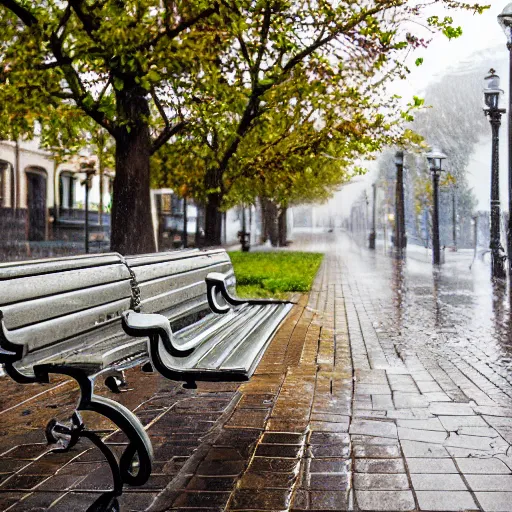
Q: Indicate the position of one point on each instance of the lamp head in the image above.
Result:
(399, 158)
(492, 91)
(435, 159)
(505, 21)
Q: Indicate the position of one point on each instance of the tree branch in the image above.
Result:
(166, 134)
(184, 25)
(23, 14)
(160, 108)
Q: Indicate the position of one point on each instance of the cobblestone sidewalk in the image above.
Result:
(373, 395)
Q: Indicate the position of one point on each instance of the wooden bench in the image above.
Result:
(92, 317)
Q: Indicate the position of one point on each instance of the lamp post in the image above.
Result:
(400, 238)
(494, 112)
(435, 159)
(454, 218)
(373, 232)
(89, 170)
(505, 21)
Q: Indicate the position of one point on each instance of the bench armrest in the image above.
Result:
(149, 324)
(217, 283)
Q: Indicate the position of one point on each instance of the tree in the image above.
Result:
(125, 65)
(148, 70)
(288, 62)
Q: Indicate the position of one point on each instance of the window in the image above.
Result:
(67, 185)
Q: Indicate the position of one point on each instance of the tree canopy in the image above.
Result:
(245, 91)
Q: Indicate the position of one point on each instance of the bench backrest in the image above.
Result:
(46, 302)
(173, 283)
(51, 306)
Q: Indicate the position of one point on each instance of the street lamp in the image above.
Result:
(373, 232)
(435, 159)
(492, 94)
(400, 238)
(505, 21)
(89, 170)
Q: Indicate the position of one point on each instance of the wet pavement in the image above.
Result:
(388, 387)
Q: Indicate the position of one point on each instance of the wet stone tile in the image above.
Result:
(437, 482)
(324, 426)
(380, 481)
(282, 438)
(253, 480)
(395, 501)
(278, 450)
(331, 418)
(489, 482)
(319, 481)
(224, 453)
(377, 451)
(329, 465)
(136, 501)
(204, 500)
(74, 501)
(445, 500)
(482, 466)
(328, 438)
(220, 468)
(9, 498)
(253, 499)
(431, 466)
(271, 465)
(328, 451)
(59, 483)
(373, 428)
(262, 401)
(213, 484)
(26, 452)
(423, 450)
(495, 501)
(327, 500)
(37, 501)
(379, 466)
(22, 482)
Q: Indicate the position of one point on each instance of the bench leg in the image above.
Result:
(134, 465)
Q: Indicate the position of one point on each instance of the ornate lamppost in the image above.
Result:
(493, 111)
(435, 159)
(505, 21)
(400, 238)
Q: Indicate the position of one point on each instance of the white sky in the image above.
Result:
(480, 32)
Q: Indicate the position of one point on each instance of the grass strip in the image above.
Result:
(274, 274)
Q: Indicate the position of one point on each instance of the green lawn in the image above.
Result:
(274, 274)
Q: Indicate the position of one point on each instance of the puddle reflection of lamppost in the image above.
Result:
(493, 111)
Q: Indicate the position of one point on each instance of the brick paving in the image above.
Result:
(381, 391)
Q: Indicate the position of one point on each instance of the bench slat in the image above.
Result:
(28, 288)
(46, 308)
(51, 331)
(18, 269)
(174, 267)
(162, 285)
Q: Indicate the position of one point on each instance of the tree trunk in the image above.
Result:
(264, 230)
(132, 225)
(282, 227)
(213, 220)
(270, 220)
